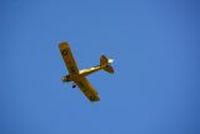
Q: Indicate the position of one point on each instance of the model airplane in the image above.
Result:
(78, 77)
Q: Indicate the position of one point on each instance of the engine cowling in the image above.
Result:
(66, 78)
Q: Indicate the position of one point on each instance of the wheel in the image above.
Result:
(73, 86)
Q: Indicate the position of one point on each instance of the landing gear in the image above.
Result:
(73, 86)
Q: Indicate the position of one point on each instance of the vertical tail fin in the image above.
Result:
(104, 61)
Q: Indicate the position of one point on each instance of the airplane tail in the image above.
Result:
(106, 61)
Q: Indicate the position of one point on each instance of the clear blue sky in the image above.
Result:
(155, 45)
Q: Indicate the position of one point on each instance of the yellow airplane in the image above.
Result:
(79, 76)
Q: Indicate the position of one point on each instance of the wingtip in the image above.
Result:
(63, 44)
(96, 99)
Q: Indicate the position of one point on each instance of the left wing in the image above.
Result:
(87, 89)
(68, 58)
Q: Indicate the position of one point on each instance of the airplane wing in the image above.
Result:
(87, 89)
(68, 58)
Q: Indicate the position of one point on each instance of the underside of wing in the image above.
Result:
(68, 58)
(87, 89)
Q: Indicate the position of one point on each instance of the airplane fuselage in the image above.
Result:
(83, 73)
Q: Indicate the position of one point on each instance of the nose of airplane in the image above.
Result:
(64, 79)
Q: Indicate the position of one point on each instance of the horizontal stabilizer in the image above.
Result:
(104, 61)
(109, 69)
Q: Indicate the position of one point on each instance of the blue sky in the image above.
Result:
(155, 45)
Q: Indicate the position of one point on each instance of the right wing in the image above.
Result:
(87, 89)
(68, 58)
